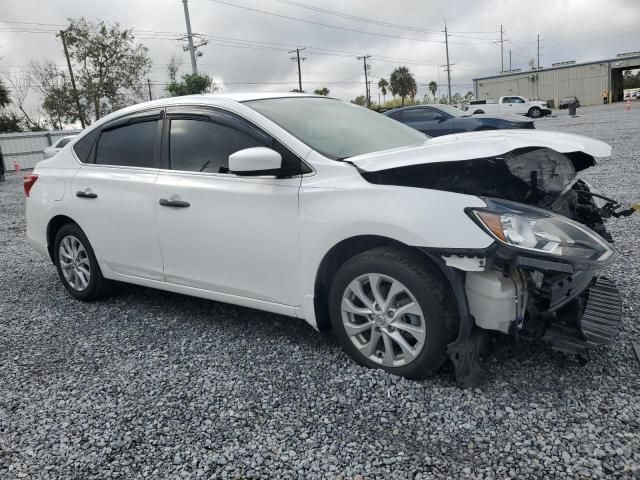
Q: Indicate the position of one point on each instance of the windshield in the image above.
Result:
(334, 128)
(449, 110)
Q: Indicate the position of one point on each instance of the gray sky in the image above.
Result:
(247, 49)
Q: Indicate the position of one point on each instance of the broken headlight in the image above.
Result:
(540, 231)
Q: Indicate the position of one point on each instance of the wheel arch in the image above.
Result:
(55, 224)
(340, 253)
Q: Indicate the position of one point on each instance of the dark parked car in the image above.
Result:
(566, 101)
(436, 120)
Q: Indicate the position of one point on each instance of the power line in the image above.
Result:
(380, 34)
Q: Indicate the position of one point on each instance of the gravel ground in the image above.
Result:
(152, 384)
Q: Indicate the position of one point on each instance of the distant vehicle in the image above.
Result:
(567, 101)
(636, 95)
(56, 147)
(513, 104)
(437, 120)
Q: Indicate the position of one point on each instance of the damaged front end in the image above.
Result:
(538, 280)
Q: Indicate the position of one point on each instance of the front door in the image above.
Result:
(113, 196)
(221, 232)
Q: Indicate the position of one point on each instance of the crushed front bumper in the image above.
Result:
(589, 320)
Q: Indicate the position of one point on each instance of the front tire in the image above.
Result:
(535, 112)
(390, 310)
(77, 265)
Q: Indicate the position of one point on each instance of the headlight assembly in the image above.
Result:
(536, 230)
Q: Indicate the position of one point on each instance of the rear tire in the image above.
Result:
(77, 265)
(535, 112)
(408, 334)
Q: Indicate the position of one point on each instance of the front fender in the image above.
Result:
(412, 216)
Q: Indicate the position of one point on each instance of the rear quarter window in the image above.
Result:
(84, 147)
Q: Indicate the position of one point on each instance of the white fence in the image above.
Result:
(26, 148)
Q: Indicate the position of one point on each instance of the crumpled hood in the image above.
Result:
(476, 145)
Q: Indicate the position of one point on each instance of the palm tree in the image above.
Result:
(402, 83)
(433, 88)
(383, 85)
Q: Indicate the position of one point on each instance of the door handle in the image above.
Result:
(174, 203)
(82, 194)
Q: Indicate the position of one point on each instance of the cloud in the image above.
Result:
(248, 50)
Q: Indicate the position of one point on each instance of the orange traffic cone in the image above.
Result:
(16, 166)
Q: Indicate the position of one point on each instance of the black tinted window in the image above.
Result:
(418, 115)
(202, 146)
(63, 142)
(84, 146)
(130, 145)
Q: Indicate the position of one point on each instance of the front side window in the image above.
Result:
(203, 146)
(129, 145)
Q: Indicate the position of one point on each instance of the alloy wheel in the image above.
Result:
(74, 263)
(383, 319)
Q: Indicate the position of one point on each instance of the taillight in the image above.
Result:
(29, 181)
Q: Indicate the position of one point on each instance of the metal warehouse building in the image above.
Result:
(587, 81)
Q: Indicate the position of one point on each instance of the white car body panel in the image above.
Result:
(259, 242)
(120, 223)
(239, 236)
(470, 145)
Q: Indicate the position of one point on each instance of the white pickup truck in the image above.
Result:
(512, 104)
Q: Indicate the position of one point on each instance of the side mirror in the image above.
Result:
(255, 161)
(439, 118)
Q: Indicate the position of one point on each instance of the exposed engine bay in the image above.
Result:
(527, 294)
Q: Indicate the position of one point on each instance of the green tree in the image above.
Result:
(631, 80)
(402, 83)
(433, 88)
(110, 66)
(53, 85)
(383, 86)
(324, 91)
(5, 99)
(359, 100)
(191, 84)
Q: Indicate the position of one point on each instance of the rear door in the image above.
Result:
(114, 194)
(230, 234)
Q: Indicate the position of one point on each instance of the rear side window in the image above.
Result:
(84, 146)
(129, 145)
(202, 146)
(417, 115)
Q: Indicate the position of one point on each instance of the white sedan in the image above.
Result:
(408, 248)
(51, 150)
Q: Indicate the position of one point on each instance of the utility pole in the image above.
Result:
(446, 41)
(149, 85)
(73, 81)
(509, 59)
(364, 59)
(191, 48)
(297, 58)
(501, 50)
(538, 52)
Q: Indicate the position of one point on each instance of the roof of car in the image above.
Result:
(247, 96)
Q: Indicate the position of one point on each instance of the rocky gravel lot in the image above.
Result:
(152, 384)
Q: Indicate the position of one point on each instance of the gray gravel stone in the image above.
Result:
(156, 385)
